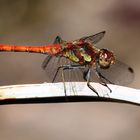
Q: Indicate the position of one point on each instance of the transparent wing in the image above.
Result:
(52, 66)
(46, 61)
(93, 39)
(57, 40)
(119, 73)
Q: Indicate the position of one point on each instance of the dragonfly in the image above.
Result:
(80, 56)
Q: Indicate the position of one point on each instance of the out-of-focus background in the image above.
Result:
(37, 22)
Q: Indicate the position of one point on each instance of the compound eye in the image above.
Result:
(106, 59)
(103, 61)
(104, 64)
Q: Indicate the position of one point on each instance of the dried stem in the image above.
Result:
(76, 92)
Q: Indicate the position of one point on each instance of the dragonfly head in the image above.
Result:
(106, 58)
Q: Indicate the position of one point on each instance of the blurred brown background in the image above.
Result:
(37, 22)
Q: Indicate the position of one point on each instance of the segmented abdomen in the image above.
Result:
(52, 49)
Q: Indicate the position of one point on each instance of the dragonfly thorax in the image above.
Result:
(82, 53)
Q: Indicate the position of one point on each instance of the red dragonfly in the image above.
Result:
(80, 56)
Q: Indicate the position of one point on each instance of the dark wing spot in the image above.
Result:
(130, 69)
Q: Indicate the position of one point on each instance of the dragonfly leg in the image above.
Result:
(73, 66)
(86, 75)
(101, 77)
(65, 67)
(87, 78)
(63, 78)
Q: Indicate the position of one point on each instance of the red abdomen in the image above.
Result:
(52, 49)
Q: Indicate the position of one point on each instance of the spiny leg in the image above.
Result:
(101, 77)
(87, 78)
(63, 79)
(65, 67)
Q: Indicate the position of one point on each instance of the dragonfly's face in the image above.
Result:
(106, 59)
